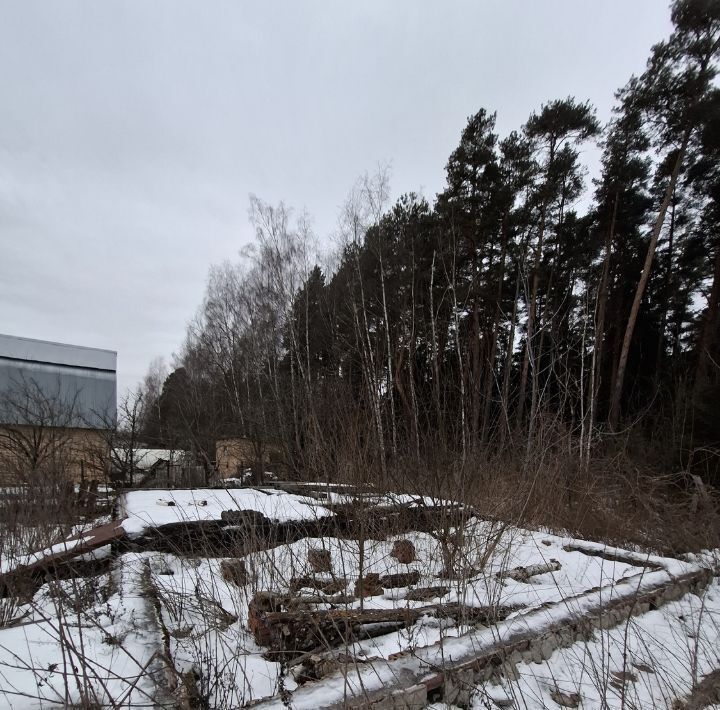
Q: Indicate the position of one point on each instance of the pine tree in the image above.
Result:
(555, 132)
(622, 202)
(670, 95)
(471, 209)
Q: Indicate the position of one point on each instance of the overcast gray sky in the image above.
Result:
(131, 133)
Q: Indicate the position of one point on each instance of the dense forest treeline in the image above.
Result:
(497, 322)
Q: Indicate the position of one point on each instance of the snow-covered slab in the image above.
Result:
(665, 579)
(648, 662)
(196, 586)
(153, 508)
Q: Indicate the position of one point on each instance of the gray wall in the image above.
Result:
(56, 385)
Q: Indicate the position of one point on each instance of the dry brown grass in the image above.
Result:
(611, 498)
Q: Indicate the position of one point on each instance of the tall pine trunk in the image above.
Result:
(505, 397)
(642, 284)
(709, 325)
(436, 367)
(390, 386)
(490, 369)
(597, 356)
(531, 318)
(475, 378)
(665, 298)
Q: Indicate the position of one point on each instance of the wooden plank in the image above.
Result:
(36, 564)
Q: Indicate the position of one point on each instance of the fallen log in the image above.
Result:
(613, 554)
(522, 574)
(320, 584)
(372, 584)
(401, 579)
(304, 601)
(318, 663)
(424, 594)
(291, 632)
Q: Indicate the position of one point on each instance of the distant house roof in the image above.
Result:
(53, 384)
(145, 459)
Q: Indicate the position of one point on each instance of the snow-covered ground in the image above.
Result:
(647, 662)
(82, 640)
(156, 623)
(152, 508)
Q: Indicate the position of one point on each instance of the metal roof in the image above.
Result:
(57, 353)
(56, 384)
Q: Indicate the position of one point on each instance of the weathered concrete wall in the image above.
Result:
(234, 455)
(532, 646)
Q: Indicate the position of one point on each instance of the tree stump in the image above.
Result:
(404, 552)
(370, 586)
(320, 560)
(566, 700)
(234, 571)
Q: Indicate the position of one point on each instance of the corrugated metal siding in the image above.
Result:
(56, 385)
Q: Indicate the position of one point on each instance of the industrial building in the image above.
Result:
(57, 404)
